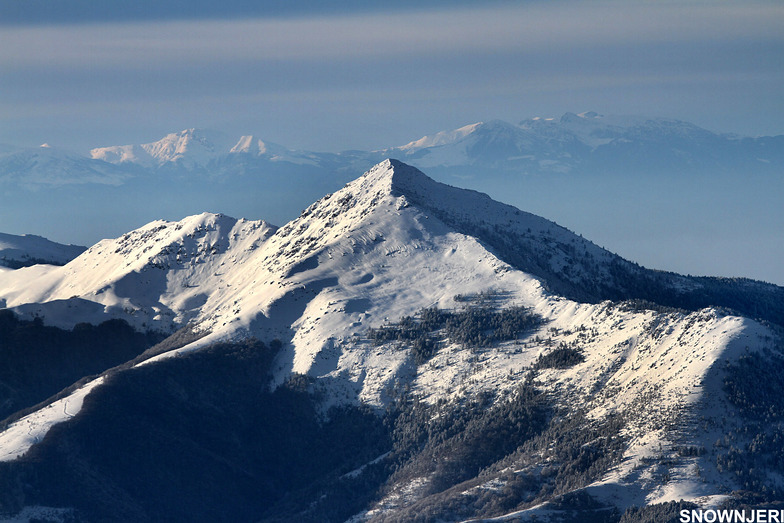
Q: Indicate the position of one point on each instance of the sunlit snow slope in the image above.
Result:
(29, 249)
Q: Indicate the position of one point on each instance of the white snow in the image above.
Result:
(441, 138)
(28, 246)
(123, 154)
(158, 276)
(190, 148)
(249, 144)
(458, 147)
(595, 129)
(196, 149)
(31, 429)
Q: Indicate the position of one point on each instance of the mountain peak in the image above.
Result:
(192, 147)
(394, 174)
(250, 144)
(388, 178)
(580, 118)
(175, 146)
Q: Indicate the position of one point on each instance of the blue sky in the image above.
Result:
(80, 74)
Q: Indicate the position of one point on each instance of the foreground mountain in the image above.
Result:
(437, 355)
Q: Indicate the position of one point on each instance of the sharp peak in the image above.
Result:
(394, 175)
(389, 178)
(397, 179)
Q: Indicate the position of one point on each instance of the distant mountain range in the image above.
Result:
(580, 144)
(573, 143)
(403, 350)
(590, 143)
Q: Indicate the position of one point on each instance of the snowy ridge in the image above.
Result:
(584, 143)
(385, 246)
(155, 277)
(596, 130)
(123, 154)
(484, 155)
(26, 432)
(251, 145)
(29, 248)
(256, 148)
(659, 372)
(196, 149)
(190, 147)
(441, 138)
(591, 128)
(492, 143)
(176, 146)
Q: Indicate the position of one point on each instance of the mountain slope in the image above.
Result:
(190, 148)
(591, 143)
(197, 149)
(497, 145)
(568, 264)
(20, 251)
(155, 277)
(421, 300)
(586, 143)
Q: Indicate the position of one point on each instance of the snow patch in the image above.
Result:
(31, 429)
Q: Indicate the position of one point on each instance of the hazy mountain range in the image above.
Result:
(403, 350)
(581, 143)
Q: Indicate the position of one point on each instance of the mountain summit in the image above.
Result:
(393, 210)
(189, 148)
(443, 355)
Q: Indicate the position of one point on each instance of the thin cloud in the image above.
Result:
(534, 28)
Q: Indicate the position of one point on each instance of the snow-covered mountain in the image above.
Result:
(135, 272)
(590, 143)
(574, 143)
(495, 144)
(19, 251)
(398, 288)
(189, 148)
(197, 149)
